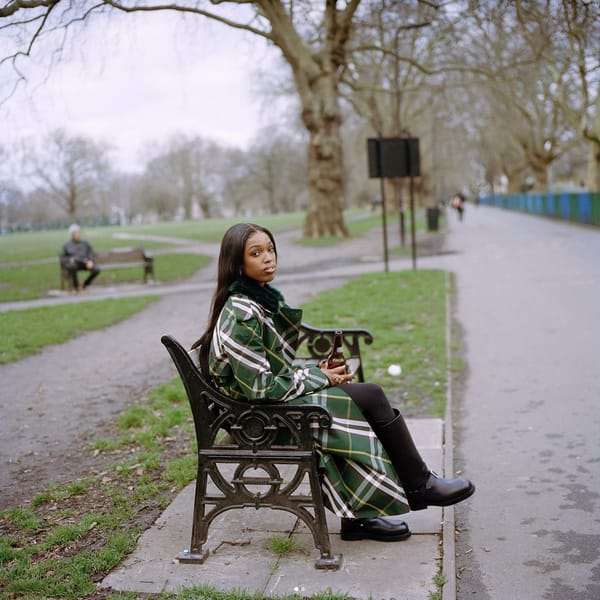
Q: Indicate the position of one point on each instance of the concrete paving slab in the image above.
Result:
(239, 556)
(241, 559)
(370, 570)
(427, 433)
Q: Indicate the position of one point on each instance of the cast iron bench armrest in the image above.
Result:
(319, 343)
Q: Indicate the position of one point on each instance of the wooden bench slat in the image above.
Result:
(119, 265)
(122, 255)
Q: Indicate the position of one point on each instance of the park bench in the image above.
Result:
(117, 258)
(258, 455)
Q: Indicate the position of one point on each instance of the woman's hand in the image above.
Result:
(337, 375)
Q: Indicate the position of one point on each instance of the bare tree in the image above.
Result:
(10, 194)
(277, 172)
(538, 70)
(574, 59)
(515, 80)
(239, 193)
(391, 68)
(389, 60)
(312, 41)
(153, 198)
(70, 170)
(512, 86)
(193, 170)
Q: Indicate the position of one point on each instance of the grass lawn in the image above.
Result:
(29, 261)
(35, 245)
(38, 245)
(27, 281)
(406, 314)
(27, 331)
(359, 223)
(71, 535)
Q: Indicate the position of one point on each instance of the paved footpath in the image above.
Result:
(528, 423)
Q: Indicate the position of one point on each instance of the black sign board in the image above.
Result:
(393, 157)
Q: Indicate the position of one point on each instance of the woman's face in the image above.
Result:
(260, 260)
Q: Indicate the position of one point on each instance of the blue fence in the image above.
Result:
(581, 207)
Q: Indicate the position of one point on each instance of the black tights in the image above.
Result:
(371, 400)
(392, 432)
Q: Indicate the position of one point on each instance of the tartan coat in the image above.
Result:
(251, 358)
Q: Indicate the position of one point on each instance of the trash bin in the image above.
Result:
(433, 219)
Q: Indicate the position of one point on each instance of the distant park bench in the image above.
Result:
(256, 441)
(117, 258)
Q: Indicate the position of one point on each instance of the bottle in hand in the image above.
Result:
(336, 358)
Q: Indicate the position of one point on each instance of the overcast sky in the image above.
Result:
(132, 79)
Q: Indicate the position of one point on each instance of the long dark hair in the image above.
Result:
(231, 261)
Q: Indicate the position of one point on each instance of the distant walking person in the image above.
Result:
(78, 255)
(458, 202)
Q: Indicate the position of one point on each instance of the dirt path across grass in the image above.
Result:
(53, 404)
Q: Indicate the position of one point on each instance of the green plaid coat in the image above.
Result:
(251, 357)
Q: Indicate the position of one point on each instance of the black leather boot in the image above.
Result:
(423, 488)
(378, 528)
(439, 492)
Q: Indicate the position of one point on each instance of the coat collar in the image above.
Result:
(268, 297)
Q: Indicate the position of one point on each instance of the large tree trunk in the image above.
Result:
(540, 172)
(538, 161)
(593, 168)
(316, 73)
(71, 199)
(188, 201)
(514, 180)
(325, 175)
(204, 202)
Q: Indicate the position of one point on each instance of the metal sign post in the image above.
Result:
(413, 235)
(384, 225)
(395, 157)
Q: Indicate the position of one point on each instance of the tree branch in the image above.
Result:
(51, 4)
(193, 10)
(12, 7)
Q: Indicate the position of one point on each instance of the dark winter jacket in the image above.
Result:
(74, 252)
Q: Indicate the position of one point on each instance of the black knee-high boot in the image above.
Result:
(423, 488)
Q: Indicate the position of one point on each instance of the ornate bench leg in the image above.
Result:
(331, 563)
(195, 554)
(327, 560)
(187, 557)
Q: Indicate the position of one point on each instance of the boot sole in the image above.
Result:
(423, 505)
(354, 537)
